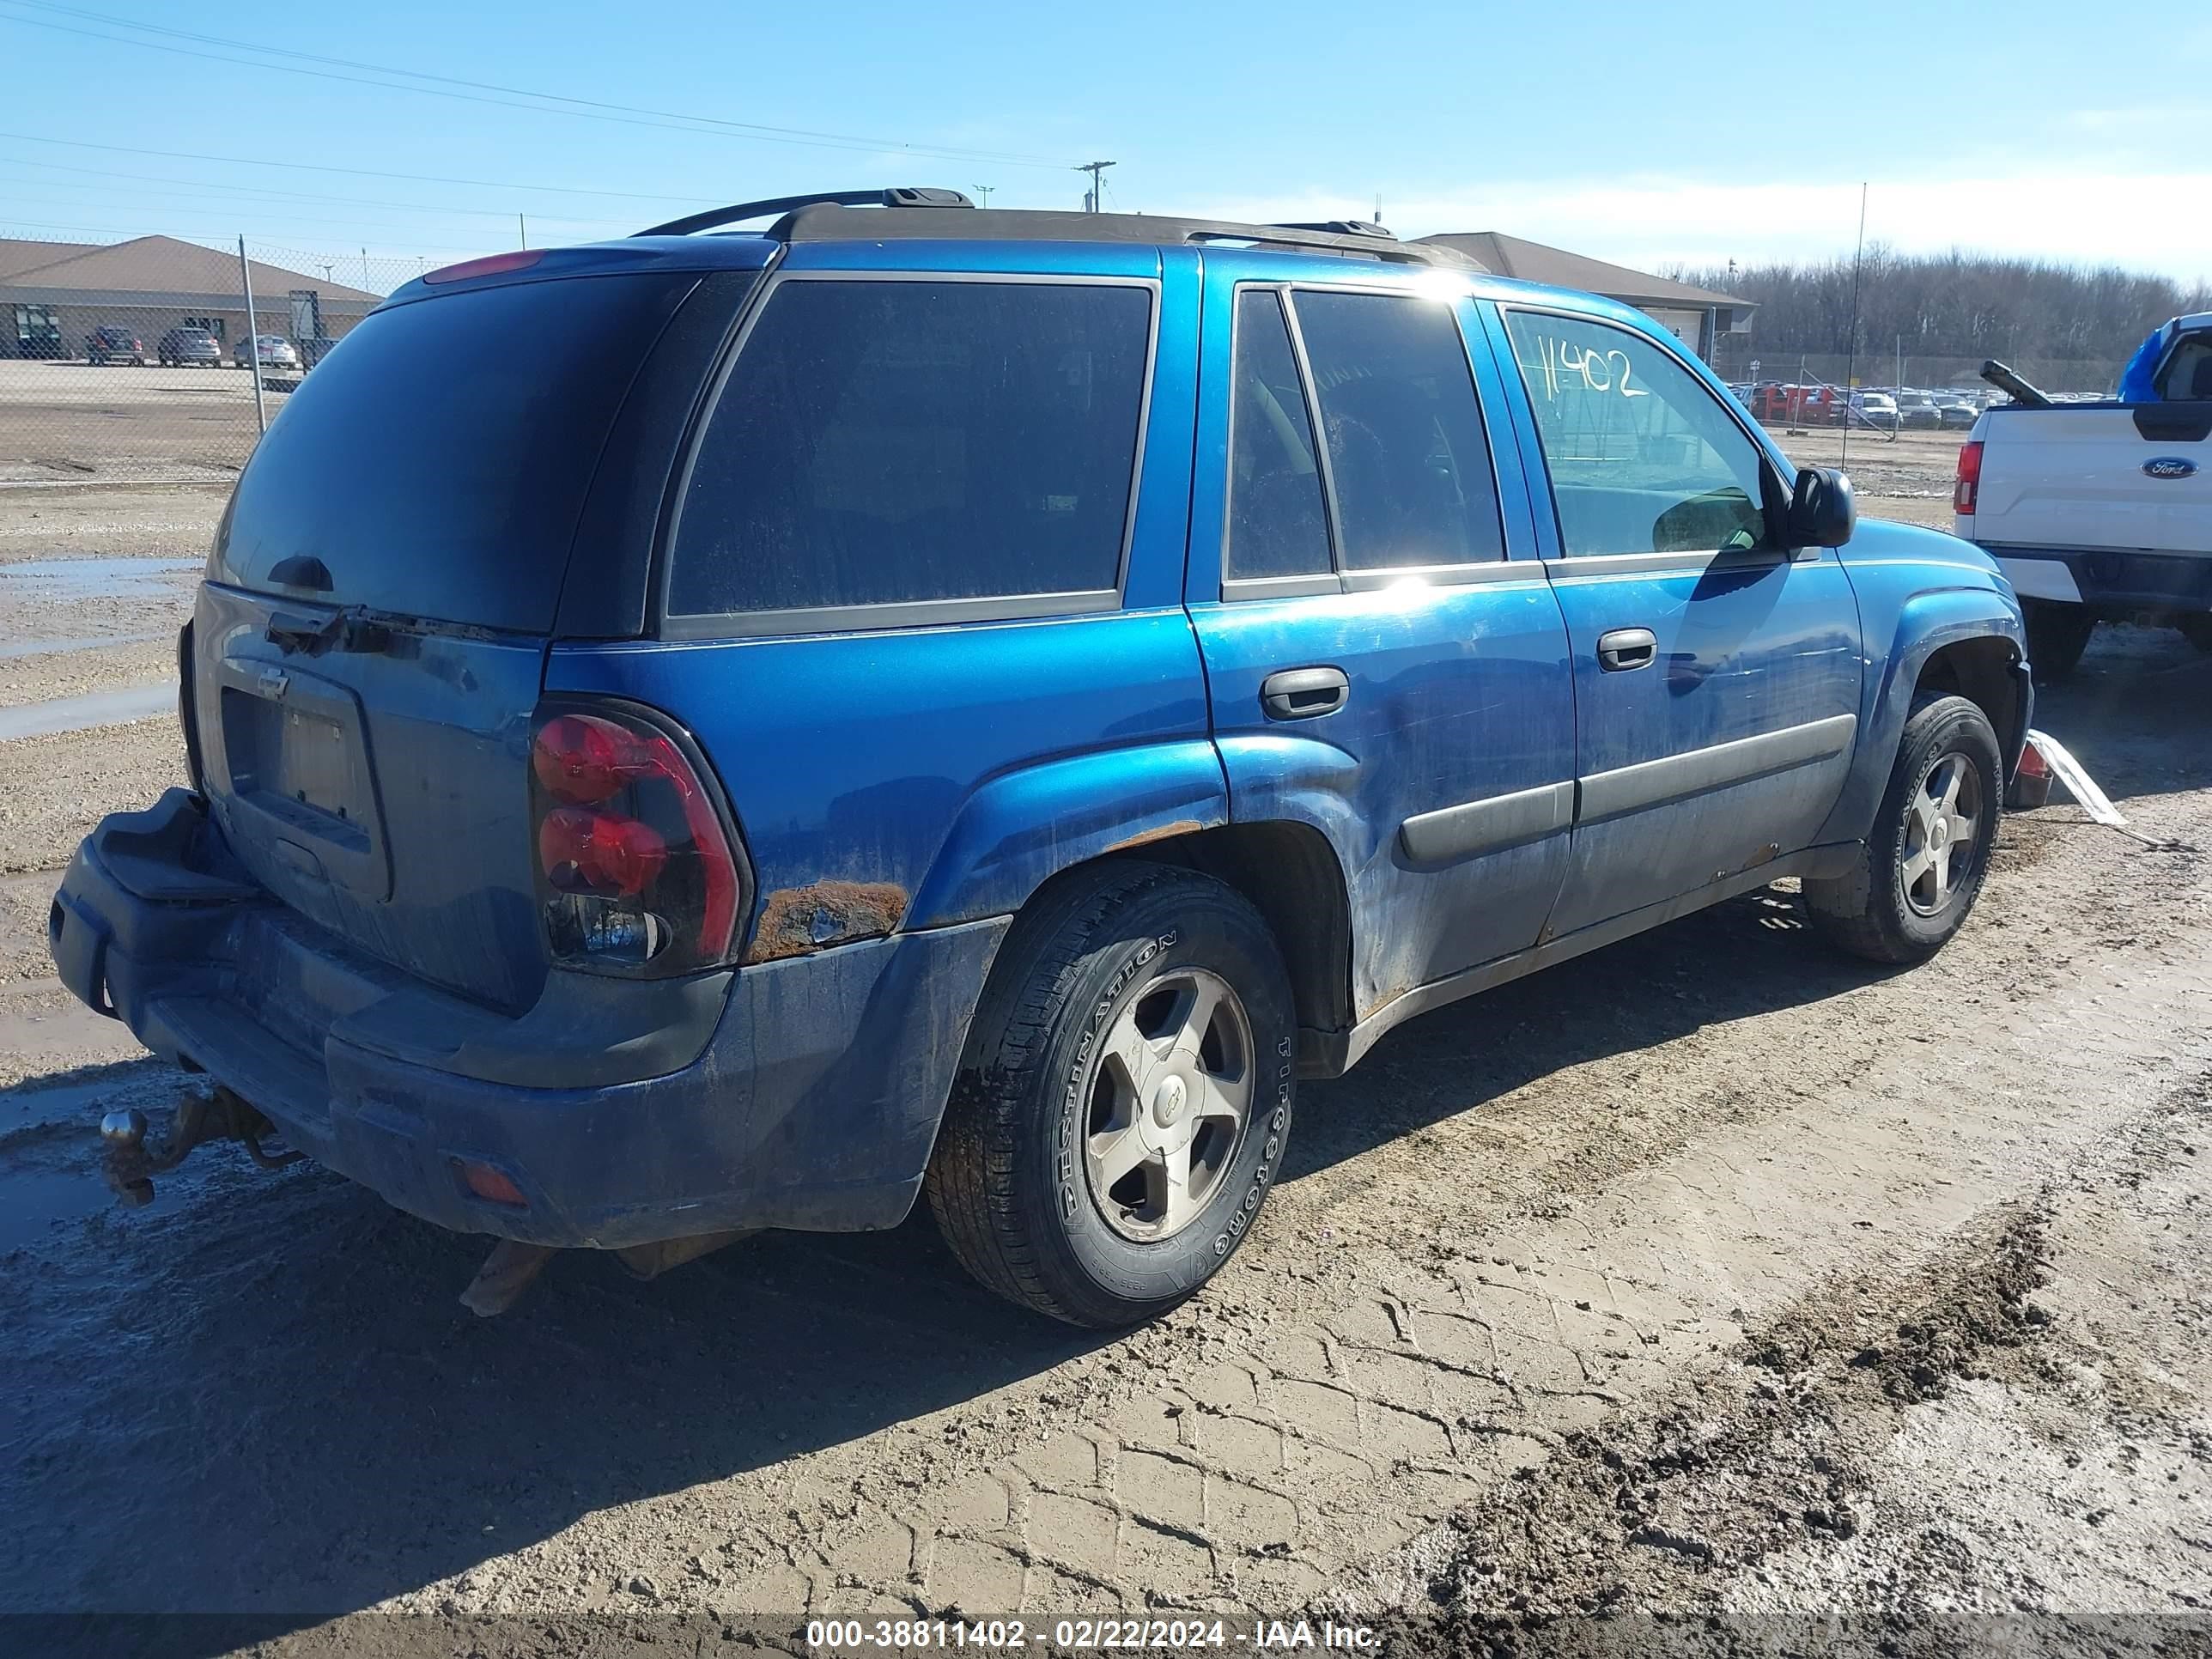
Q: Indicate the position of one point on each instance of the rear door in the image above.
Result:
(1716, 668)
(1384, 658)
(371, 638)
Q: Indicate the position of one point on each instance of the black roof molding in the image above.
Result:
(820, 219)
(895, 196)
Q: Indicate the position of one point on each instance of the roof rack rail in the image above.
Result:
(1344, 227)
(907, 195)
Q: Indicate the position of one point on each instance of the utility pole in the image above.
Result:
(1098, 172)
(522, 229)
(983, 194)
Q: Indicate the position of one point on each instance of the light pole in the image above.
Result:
(983, 193)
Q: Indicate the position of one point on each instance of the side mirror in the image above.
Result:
(1821, 513)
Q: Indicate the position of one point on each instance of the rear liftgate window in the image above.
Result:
(435, 463)
(895, 443)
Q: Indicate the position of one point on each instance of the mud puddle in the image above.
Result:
(50, 1176)
(98, 578)
(11, 649)
(134, 702)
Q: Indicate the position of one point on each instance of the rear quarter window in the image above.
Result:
(915, 442)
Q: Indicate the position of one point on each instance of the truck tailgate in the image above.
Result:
(2088, 478)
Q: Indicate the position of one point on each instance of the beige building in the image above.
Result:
(53, 294)
(1699, 317)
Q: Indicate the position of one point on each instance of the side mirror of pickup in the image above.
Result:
(1821, 513)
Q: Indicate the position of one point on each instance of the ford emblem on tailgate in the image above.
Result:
(2168, 466)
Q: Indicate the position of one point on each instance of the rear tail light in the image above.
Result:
(1969, 477)
(637, 871)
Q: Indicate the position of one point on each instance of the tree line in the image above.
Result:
(1953, 305)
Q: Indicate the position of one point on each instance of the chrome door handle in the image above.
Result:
(1300, 694)
(1627, 648)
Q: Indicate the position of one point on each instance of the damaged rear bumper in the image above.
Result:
(803, 1093)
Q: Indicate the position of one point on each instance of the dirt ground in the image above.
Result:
(69, 422)
(1710, 1294)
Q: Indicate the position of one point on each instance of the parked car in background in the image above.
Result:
(772, 867)
(1874, 409)
(1956, 411)
(1917, 411)
(191, 348)
(275, 351)
(112, 344)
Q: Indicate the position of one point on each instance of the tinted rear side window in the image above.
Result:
(1407, 456)
(436, 460)
(895, 443)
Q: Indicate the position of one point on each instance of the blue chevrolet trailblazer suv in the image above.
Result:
(929, 700)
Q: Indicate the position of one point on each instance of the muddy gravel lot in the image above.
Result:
(1710, 1294)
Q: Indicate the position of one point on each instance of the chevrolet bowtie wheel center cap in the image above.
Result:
(1169, 1101)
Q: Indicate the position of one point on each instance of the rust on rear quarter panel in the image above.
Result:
(797, 920)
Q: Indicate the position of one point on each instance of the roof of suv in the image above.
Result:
(700, 242)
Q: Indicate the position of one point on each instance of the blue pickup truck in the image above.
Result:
(982, 703)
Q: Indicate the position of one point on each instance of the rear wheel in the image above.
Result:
(2057, 635)
(1125, 1097)
(1924, 861)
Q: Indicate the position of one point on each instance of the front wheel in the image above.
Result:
(1922, 862)
(1125, 1097)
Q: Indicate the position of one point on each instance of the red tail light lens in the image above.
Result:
(636, 870)
(1969, 477)
(490, 265)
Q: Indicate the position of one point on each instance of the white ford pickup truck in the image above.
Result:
(2102, 512)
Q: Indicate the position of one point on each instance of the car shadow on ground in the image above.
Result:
(1752, 955)
(2137, 712)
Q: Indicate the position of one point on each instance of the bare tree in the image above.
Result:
(1954, 305)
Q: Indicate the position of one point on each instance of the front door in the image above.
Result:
(1379, 664)
(1716, 668)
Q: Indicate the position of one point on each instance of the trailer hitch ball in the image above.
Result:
(121, 1129)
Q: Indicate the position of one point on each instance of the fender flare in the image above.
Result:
(1022, 828)
(1928, 622)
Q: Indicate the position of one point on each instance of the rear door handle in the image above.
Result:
(1627, 648)
(1300, 694)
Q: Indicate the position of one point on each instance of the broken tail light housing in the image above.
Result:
(638, 871)
(1969, 477)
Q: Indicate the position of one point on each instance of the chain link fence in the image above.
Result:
(2071, 376)
(131, 361)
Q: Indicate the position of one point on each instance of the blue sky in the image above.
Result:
(1647, 134)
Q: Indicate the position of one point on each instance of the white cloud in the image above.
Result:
(2141, 221)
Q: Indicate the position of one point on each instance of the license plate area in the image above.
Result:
(296, 752)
